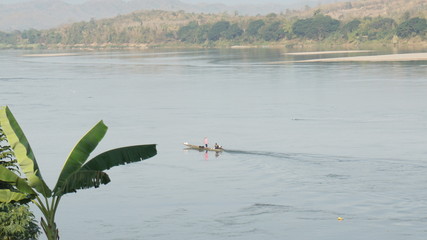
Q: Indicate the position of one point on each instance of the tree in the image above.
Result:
(217, 30)
(233, 32)
(254, 27)
(187, 33)
(201, 34)
(77, 173)
(318, 27)
(380, 28)
(31, 35)
(17, 222)
(272, 31)
(351, 26)
(9, 38)
(303, 28)
(325, 25)
(382, 23)
(412, 27)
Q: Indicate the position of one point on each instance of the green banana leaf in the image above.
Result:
(80, 154)
(91, 174)
(10, 177)
(23, 192)
(8, 196)
(7, 175)
(120, 156)
(83, 179)
(23, 152)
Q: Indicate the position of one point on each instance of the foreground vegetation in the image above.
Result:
(161, 28)
(17, 221)
(77, 172)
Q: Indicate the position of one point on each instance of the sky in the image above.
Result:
(227, 2)
(231, 2)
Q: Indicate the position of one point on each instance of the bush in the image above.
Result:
(187, 33)
(272, 32)
(234, 31)
(351, 26)
(317, 27)
(412, 27)
(16, 220)
(215, 32)
(254, 27)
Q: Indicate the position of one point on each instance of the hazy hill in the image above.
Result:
(370, 8)
(44, 14)
(156, 28)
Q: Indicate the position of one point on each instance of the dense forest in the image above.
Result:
(162, 28)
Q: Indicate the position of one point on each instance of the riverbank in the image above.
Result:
(326, 52)
(375, 58)
(49, 55)
(403, 57)
(290, 45)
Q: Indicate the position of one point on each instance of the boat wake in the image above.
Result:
(293, 156)
(261, 153)
(322, 158)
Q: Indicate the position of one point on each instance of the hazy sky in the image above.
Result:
(230, 2)
(227, 2)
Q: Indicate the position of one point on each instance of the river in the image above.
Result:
(306, 143)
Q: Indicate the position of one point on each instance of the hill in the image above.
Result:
(369, 8)
(293, 29)
(45, 14)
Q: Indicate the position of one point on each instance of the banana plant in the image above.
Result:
(77, 173)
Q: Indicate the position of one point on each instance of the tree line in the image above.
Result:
(205, 29)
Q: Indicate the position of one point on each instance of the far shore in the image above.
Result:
(327, 52)
(405, 57)
(49, 55)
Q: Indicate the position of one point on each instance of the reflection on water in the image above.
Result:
(304, 143)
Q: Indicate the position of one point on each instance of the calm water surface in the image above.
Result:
(308, 143)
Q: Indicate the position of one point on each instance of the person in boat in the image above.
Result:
(205, 141)
(217, 146)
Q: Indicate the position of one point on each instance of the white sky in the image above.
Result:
(231, 2)
(227, 2)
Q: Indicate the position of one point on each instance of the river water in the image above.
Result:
(306, 143)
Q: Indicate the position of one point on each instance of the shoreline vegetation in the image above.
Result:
(296, 45)
(165, 29)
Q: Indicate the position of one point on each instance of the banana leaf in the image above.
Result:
(10, 177)
(81, 180)
(23, 192)
(8, 196)
(23, 152)
(91, 174)
(120, 156)
(80, 154)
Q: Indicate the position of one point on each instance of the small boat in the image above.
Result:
(203, 148)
